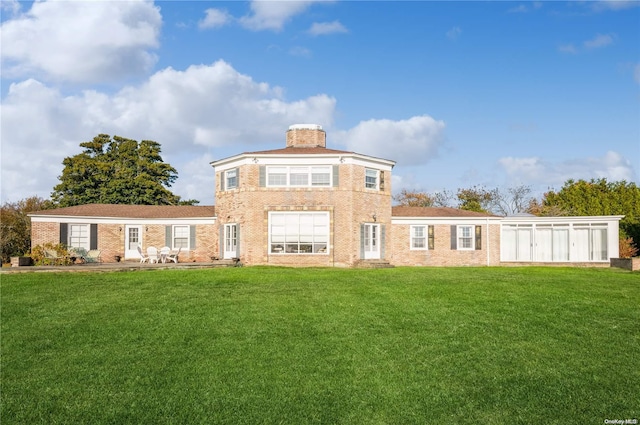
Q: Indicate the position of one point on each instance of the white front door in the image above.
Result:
(230, 241)
(371, 241)
(132, 238)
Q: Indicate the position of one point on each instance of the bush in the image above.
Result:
(627, 248)
(40, 258)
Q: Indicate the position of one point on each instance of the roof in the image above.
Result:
(316, 150)
(131, 211)
(446, 212)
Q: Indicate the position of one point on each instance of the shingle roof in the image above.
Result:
(317, 150)
(401, 211)
(132, 211)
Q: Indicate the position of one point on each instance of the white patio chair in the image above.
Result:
(164, 253)
(173, 256)
(152, 253)
(143, 257)
(93, 256)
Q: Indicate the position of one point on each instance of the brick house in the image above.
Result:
(309, 205)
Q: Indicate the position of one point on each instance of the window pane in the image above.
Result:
(232, 178)
(371, 178)
(298, 233)
(320, 176)
(299, 176)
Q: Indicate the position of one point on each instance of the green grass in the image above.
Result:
(297, 346)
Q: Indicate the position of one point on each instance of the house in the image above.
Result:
(309, 205)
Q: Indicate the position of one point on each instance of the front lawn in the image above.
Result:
(260, 345)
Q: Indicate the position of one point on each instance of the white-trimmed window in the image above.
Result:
(181, 235)
(419, 237)
(298, 232)
(465, 237)
(371, 178)
(299, 176)
(78, 236)
(231, 178)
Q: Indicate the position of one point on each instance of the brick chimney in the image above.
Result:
(306, 136)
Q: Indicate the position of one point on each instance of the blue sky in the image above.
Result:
(457, 93)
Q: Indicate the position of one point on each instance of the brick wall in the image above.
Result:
(442, 254)
(349, 205)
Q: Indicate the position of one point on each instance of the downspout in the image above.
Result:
(488, 244)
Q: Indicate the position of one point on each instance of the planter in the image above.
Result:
(632, 264)
(21, 261)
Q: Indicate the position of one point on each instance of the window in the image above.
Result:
(299, 233)
(181, 237)
(79, 236)
(418, 237)
(371, 178)
(465, 237)
(299, 176)
(231, 177)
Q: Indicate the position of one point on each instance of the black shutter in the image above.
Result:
(222, 181)
(454, 236)
(381, 188)
(362, 241)
(93, 236)
(336, 176)
(237, 178)
(383, 238)
(263, 176)
(478, 237)
(431, 242)
(64, 233)
(167, 236)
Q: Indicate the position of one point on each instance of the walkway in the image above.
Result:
(122, 266)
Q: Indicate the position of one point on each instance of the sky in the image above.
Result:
(459, 94)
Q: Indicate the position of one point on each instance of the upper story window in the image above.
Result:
(231, 178)
(316, 176)
(371, 178)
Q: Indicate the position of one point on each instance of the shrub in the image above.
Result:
(627, 248)
(40, 259)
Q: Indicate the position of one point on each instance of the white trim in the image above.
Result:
(473, 237)
(426, 237)
(445, 220)
(119, 220)
(303, 159)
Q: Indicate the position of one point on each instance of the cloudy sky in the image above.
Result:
(457, 93)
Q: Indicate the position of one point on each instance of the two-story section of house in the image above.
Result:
(304, 204)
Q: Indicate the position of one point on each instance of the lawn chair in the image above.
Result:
(143, 258)
(164, 253)
(152, 253)
(93, 256)
(51, 257)
(173, 256)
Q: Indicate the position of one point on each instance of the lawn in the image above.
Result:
(260, 345)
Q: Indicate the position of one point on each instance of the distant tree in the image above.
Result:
(510, 201)
(117, 171)
(15, 226)
(476, 198)
(599, 197)
(415, 198)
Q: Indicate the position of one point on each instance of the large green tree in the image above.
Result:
(598, 197)
(117, 171)
(15, 226)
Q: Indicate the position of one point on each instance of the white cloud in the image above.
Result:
(409, 142)
(326, 28)
(568, 48)
(300, 51)
(214, 18)
(537, 171)
(11, 6)
(62, 41)
(600, 40)
(195, 114)
(614, 5)
(272, 15)
(454, 33)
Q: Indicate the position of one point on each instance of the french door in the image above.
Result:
(371, 241)
(230, 241)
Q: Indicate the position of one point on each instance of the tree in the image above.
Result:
(15, 226)
(117, 171)
(599, 197)
(476, 198)
(511, 200)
